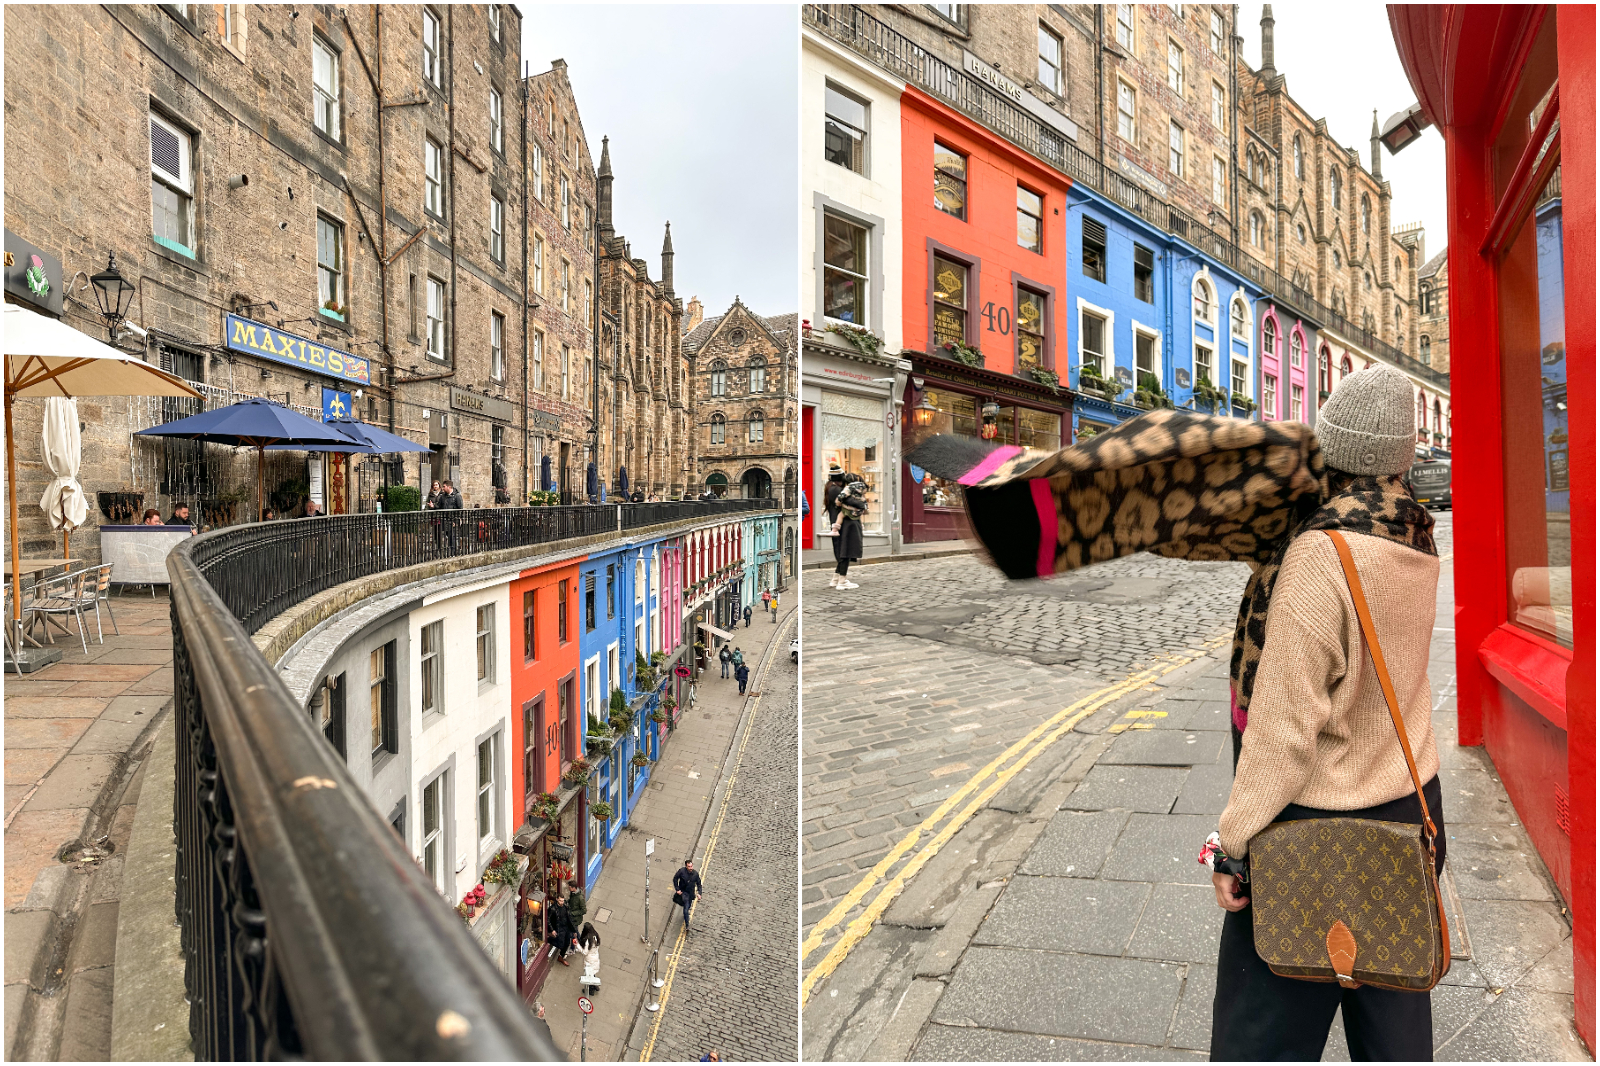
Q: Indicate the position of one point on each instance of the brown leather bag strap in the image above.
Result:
(1371, 633)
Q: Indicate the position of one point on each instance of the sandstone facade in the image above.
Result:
(746, 385)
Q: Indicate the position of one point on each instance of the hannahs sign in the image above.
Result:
(256, 338)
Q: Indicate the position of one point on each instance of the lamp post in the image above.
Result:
(113, 293)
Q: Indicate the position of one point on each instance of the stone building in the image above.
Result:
(561, 286)
(746, 387)
(237, 163)
(645, 401)
(1433, 313)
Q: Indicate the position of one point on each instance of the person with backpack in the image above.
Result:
(686, 887)
(738, 658)
(742, 672)
(726, 658)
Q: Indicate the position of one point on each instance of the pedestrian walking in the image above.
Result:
(726, 658)
(589, 946)
(1315, 733)
(686, 887)
(747, 616)
(847, 541)
(774, 608)
(450, 500)
(560, 935)
(738, 658)
(766, 600)
(830, 506)
(742, 672)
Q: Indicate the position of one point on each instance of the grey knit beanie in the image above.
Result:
(1368, 425)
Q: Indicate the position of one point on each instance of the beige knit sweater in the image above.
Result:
(1320, 734)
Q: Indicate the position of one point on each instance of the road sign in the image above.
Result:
(584, 1005)
(650, 847)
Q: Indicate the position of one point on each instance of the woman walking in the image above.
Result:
(589, 946)
(847, 541)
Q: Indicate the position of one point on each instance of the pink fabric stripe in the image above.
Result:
(993, 462)
(1044, 502)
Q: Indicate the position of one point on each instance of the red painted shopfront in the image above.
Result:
(1512, 90)
(546, 734)
(985, 267)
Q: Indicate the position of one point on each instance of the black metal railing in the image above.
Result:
(880, 43)
(308, 929)
(639, 515)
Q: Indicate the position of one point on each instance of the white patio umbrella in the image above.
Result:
(63, 500)
(46, 357)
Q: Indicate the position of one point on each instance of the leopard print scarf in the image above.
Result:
(1180, 485)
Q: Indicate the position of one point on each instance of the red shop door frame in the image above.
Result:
(808, 473)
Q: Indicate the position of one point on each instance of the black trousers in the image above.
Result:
(1261, 1017)
(843, 569)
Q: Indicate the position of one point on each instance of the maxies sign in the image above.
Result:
(257, 338)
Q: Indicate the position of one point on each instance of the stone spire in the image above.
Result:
(1267, 50)
(1377, 154)
(603, 189)
(666, 261)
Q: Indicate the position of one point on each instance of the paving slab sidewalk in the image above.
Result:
(73, 735)
(673, 812)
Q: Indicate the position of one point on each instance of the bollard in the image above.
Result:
(655, 983)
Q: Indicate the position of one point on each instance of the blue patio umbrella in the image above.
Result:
(370, 440)
(254, 423)
(592, 480)
(622, 478)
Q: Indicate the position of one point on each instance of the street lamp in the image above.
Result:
(991, 415)
(923, 413)
(1403, 128)
(113, 293)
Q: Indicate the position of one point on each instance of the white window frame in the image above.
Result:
(1211, 353)
(1239, 371)
(1128, 115)
(758, 374)
(1175, 152)
(486, 809)
(1219, 40)
(1175, 66)
(1239, 301)
(757, 423)
(1125, 26)
(497, 133)
(1297, 349)
(180, 184)
(719, 428)
(443, 874)
(1203, 283)
(433, 176)
(566, 285)
(325, 103)
(1269, 397)
(1219, 106)
(599, 695)
(536, 171)
(566, 372)
(497, 229)
(538, 360)
(335, 271)
(1219, 180)
(1297, 403)
(1154, 333)
(431, 662)
(494, 22)
(432, 53)
(1299, 159)
(1054, 66)
(538, 264)
(1106, 363)
(497, 346)
(436, 320)
(566, 203)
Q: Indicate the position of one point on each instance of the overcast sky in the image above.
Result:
(700, 103)
(1340, 63)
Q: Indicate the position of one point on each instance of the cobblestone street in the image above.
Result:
(1004, 790)
(731, 983)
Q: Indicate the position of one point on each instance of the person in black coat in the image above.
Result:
(686, 887)
(560, 936)
(747, 616)
(847, 540)
(743, 674)
(449, 500)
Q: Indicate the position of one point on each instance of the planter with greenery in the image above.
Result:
(1089, 378)
(503, 869)
(547, 805)
(1046, 377)
(621, 715)
(544, 498)
(402, 498)
(577, 773)
(862, 340)
(961, 354)
(600, 811)
(659, 716)
(1210, 395)
(640, 761)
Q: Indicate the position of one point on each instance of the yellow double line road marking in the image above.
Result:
(1058, 726)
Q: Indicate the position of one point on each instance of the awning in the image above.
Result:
(715, 631)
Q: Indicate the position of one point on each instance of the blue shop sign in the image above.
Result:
(335, 404)
(257, 338)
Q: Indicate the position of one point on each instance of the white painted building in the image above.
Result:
(850, 271)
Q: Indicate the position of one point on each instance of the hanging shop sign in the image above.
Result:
(478, 404)
(336, 404)
(258, 338)
(546, 421)
(32, 275)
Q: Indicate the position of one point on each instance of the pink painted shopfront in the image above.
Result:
(1285, 361)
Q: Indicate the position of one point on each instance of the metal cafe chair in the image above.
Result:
(100, 585)
(64, 594)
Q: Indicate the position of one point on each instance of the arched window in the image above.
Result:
(1237, 314)
(1425, 298)
(1324, 372)
(758, 427)
(1366, 213)
(1269, 337)
(1337, 183)
(1300, 231)
(1344, 366)
(1204, 301)
(758, 374)
(1438, 417)
(1397, 320)
(719, 429)
(1399, 270)
(1338, 260)
(1422, 413)
(1297, 349)
(1255, 228)
(1425, 349)
(1299, 160)
(1366, 279)
(719, 378)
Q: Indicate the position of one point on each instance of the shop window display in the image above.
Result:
(955, 414)
(852, 437)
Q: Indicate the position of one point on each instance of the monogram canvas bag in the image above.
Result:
(1352, 900)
